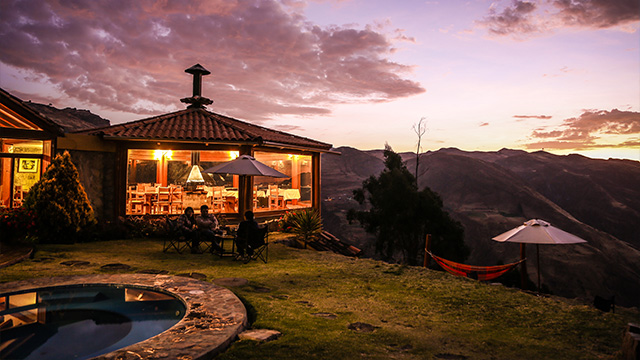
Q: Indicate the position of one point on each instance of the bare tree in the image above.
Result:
(420, 129)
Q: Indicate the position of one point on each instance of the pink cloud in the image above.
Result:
(540, 117)
(266, 58)
(530, 17)
(583, 131)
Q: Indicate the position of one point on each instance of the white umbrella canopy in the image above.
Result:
(537, 232)
(245, 165)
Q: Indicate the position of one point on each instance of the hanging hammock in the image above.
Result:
(482, 273)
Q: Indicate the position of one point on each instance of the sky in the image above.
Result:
(556, 75)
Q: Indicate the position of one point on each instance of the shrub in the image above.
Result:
(60, 203)
(16, 225)
(306, 224)
(146, 226)
(285, 223)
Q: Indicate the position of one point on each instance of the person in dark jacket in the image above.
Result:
(245, 237)
(187, 226)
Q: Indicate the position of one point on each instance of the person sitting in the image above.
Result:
(246, 238)
(207, 228)
(186, 226)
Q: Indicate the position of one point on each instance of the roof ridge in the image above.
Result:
(131, 124)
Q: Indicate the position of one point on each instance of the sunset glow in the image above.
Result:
(563, 76)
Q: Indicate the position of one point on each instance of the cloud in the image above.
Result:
(597, 13)
(265, 57)
(525, 18)
(583, 132)
(524, 117)
(483, 124)
(516, 18)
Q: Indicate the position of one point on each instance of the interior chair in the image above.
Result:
(275, 200)
(176, 200)
(217, 201)
(174, 238)
(18, 196)
(136, 200)
(163, 201)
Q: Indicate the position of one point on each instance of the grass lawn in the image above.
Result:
(417, 313)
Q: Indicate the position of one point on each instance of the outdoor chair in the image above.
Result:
(174, 239)
(261, 237)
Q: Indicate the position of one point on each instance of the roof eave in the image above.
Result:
(281, 145)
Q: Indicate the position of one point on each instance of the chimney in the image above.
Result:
(196, 100)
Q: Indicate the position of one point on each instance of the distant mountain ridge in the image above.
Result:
(70, 119)
(491, 192)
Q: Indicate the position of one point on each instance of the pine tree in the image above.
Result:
(401, 216)
(60, 203)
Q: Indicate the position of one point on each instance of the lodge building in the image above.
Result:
(158, 165)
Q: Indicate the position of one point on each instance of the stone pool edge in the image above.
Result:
(214, 315)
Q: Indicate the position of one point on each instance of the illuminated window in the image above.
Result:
(166, 181)
(283, 193)
(22, 162)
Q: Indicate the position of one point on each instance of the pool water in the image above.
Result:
(84, 321)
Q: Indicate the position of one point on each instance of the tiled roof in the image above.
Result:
(200, 125)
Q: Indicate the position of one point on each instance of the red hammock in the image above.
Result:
(482, 273)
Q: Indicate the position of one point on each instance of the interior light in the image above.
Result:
(158, 154)
(234, 154)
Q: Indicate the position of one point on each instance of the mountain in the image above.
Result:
(70, 119)
(492, 192)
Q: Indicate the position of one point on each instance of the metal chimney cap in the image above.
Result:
(197, 69)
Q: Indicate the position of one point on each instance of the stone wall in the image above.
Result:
(97, 170)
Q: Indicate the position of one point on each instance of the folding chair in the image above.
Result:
(174, 238)
(261, 237)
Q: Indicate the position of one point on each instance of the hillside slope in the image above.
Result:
(490, 193)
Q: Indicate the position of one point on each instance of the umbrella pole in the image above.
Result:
(538, 259)
(523, 268)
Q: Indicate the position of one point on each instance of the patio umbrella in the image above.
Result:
(538, 232)
(245, 165)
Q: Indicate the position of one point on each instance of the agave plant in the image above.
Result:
(307, 224)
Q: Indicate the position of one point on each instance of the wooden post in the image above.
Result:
(523, 268)
(538, 261)
(427, 248)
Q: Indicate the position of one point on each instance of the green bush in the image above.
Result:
(60, 203)
(306, 224)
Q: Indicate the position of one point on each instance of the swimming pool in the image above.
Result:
(82, 321)
(214, 315)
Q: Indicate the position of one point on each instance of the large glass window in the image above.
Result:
(167, 181)
(293, 192)
(22, 162)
